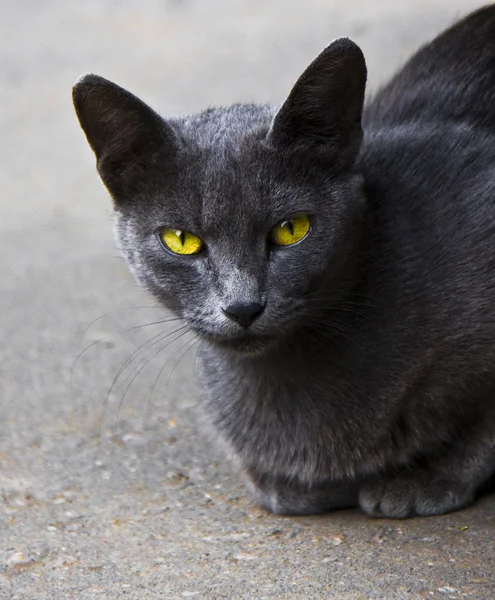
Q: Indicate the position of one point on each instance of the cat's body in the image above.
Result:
(393, 358)
(369, 373)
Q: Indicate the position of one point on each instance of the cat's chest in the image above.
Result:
(304, 421)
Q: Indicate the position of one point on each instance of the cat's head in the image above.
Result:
(235, 217)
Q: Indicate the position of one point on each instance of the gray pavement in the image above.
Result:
(131, 497)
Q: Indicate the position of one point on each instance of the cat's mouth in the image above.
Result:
(249, 344)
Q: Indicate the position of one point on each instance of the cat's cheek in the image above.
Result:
(204, 314)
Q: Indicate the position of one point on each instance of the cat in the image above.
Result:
(338, 261)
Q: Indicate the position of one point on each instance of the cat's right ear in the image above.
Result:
(126, 135)
(322, 115)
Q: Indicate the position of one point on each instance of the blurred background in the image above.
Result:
(78, 457)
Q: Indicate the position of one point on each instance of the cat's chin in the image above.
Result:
(248, 346)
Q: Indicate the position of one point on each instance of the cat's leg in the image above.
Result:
(282, 497)
(443, 484)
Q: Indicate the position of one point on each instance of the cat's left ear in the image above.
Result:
(322, 115)
(126, 135)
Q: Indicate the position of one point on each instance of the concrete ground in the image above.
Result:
(129, 496)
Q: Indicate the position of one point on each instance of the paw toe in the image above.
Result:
(413, 495)
(398, 500)
(391, 499)
(442, 496)
(370, 496)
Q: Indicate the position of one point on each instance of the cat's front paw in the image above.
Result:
(282, 498)
(414, 494)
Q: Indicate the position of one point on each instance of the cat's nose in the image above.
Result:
(244, 314)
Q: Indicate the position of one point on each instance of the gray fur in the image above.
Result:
(369, 377)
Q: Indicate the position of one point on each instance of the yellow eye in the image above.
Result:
(291, 230)
(181, 242)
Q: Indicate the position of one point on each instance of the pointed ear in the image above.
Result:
(125, 134)
(322, 114)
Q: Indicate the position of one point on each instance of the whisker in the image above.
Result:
(194, 342)
(150, 397)
(366, 300)
(339, 329)
(198, 353)
(142, 348)
(342, 307)
(136, 373)
(119, 310)
(336, 302)
(156, 339)
(110, 335)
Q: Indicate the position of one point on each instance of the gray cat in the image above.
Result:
(338, 263)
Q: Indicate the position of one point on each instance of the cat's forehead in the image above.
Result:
(225, 127)
(221, 170)
(228, 175)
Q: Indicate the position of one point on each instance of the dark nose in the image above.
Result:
(244, 314)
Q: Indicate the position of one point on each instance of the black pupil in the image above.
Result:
(182, 237)
(290, 226)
